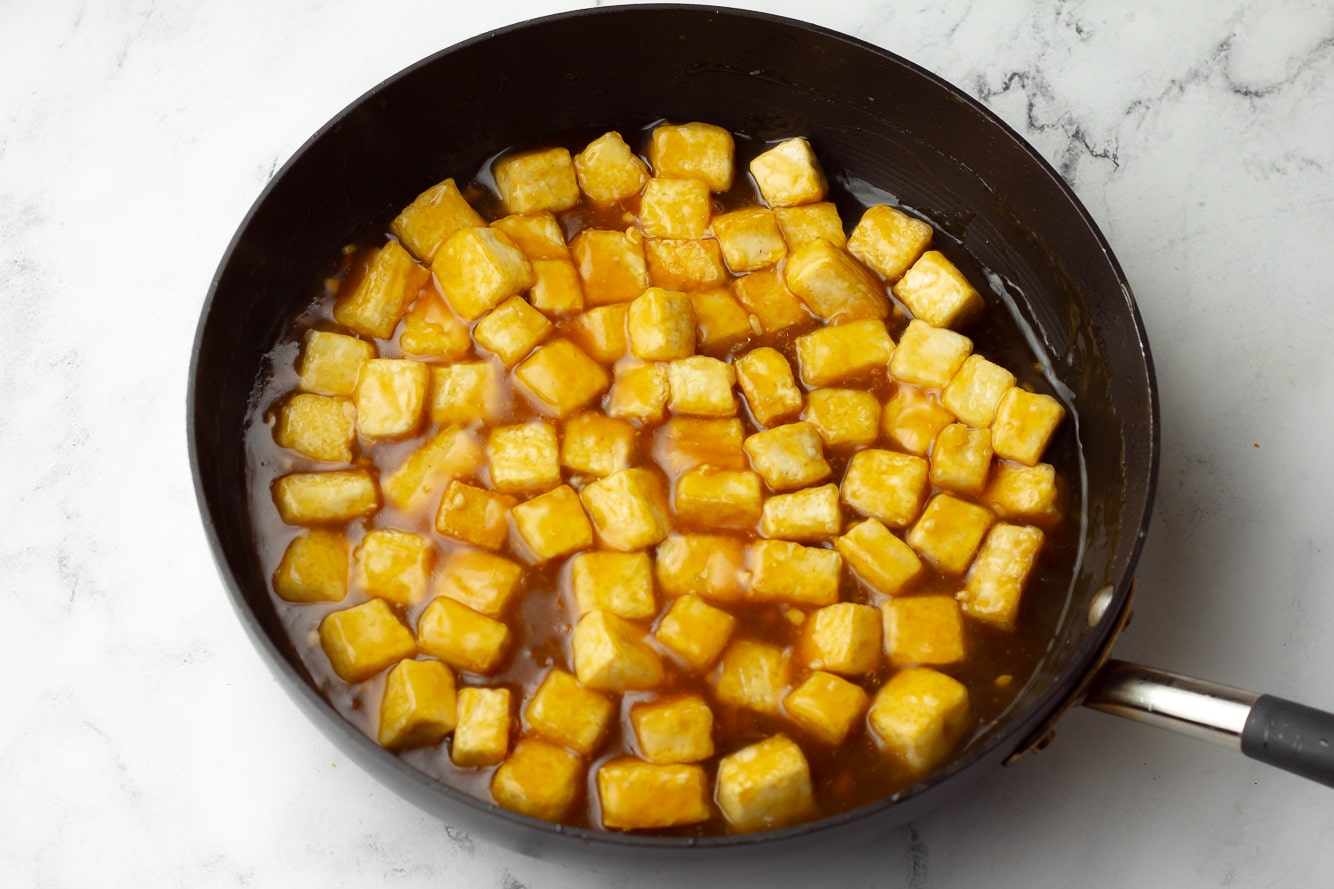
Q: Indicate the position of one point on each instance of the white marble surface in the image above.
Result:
(144, 743)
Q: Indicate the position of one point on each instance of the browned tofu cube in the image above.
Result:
(719, 498)
(566, 713)
(538, 779)
(485, 582)
(765, 785)
(674, 729)
(468, 392)
(767, 382)
(772, 306)
(1024, 424)
(996, 581)
(684, 443)
(695, 632)
(619, 583)
(918, 716)
(452, 453)
(961, 459)
(557, 289)
(974, 393)
(810, 515)
(637, 795)
(608, 170)
(712, 566)
(463, 638)
(538, 235)
(832, 285)
(843, 417)
(842, 638)
(331, 362)
(362, 640)
(394, 565)
(788, 456)
(949, 532)
(432, 217)
(474, 515)
(923, 630)
(749, 238)
(560, 378)
(788, 174)
(482, 735)
(537, 180)
(720, 321)
(801, 225)
(701, 386)
(833, 354)
(885, 485)
(889, 241)
(317, 498)
(782, 571)
(753, 675)
(1029, 494)
(318, 426)
(826, 706)
(511, 330)
(693, 151)
(601, 332)
(419, 706)
(661, 325)
(479, 267)
(595, 444)
(611, 264)
(383, 294)
(912, 419)
(553, 524)
(431, 331)
(525, 458)
(928, 356)
(313, 568)
(938, 293)
(390, 397)
(628, 509)
(610, 654)
(880, 558)
(675, 208)
(639, 393)
(684, 263)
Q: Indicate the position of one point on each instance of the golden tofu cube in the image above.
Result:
(918, 716)
(832, 354)
(661, 325)
(315, 498)
(482, 735)
(772, 307)
(912, 419)
(809, 515)
(712, 566)
(557, 289)
(961, 459)
(431, 331)
(628, 508)
(1029, 494)
(843, 417)
(313, 568)
(608, 170)
(974, 393)
(753, 675)
(826, 706)
(767, 382)
(749, 238)
(538, 779)
(601, 332)
(700, 386)
(673, 730)
(479, 267)
(788, 456)
(511, 330)
(719, 498)
(485, 582)
(842, 638)
(618, 583)
(695, 632)
(637, 795)
(390, 397)
(923, 630)
(560, 378)
(832, 285)
(553, 524)
(1024, 424)
(937, 292)
(782, 571)
(889, 241)
(450, 454)
(788, 174)
(383, 294)
(949, 532)
(394, 565)
(610, 654)
(885, 485)
(331, 362)
(537, 180)
(419, 706)
(611, 264)
(525, 459)
(765, 785)
(675, 208)
(362, 640)
(461, 637)
(474, 515)
(538, 235)
(595, 444)
(693, 151)
(639, 393)
(928, 356)
(566, 713)
(720, 321)
(432, 217)
(318, 426)
(464, 393)
(801, 225)
(684, 443)
(995, 584)
(684, 264)
(880, 558)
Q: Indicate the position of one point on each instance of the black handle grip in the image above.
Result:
(1293, 737)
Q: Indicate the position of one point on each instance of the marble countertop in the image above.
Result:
(146, 744)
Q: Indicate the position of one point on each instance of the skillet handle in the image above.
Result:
(1291, 736)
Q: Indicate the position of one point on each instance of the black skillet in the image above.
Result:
(873, 117)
